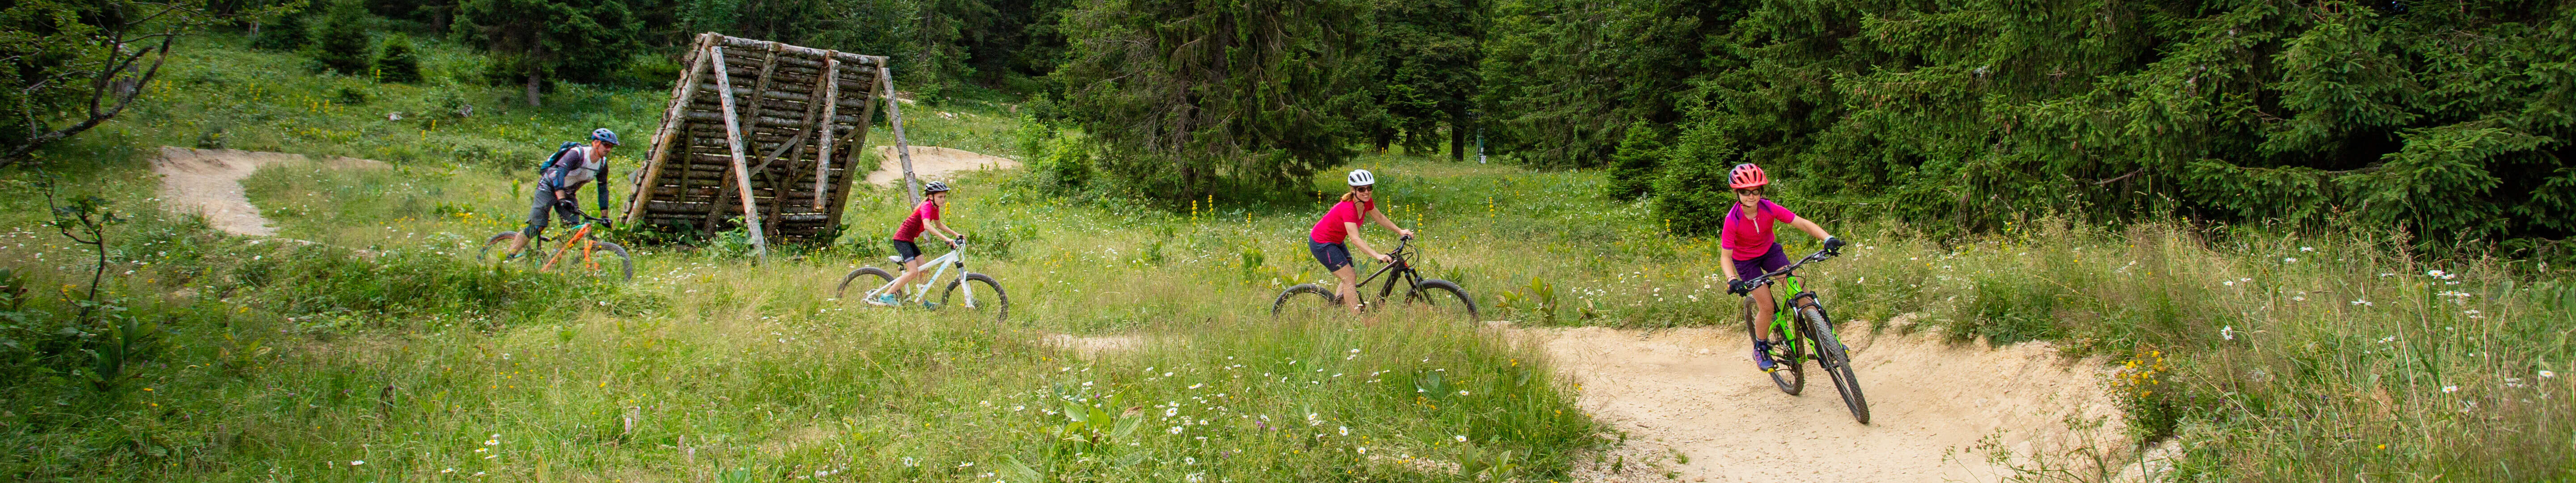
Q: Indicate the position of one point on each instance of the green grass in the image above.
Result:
(291, 362)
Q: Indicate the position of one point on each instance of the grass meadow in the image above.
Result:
(385, 353)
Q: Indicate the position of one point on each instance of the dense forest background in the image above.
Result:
(2448, 120)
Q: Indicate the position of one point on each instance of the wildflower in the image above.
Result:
(449, 470)
(1344, 430)
(2388, 339)
(1189, 460)
(2548, 374)
(1462, 392)
(2230, 283)
(2450, 389)
(2227, 333)
(357, 462)
(966, 464)
(2362, 302)
(2298, 298)
(1363, 450)
(2307, 249)
(1461, 438)
(1195, 478)
(2289, 260)
(1171, 411)
(908, 461)
(1174, 430)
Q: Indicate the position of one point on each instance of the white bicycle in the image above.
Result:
(961, 292)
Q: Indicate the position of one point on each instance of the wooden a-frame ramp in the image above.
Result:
(777, 154)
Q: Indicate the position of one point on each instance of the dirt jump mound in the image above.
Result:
(208, 182)
(1939, 410)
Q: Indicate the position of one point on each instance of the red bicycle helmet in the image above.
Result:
(1747, 176)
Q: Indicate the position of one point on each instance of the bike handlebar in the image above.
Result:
(1818, 256)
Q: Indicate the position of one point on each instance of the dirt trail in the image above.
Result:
(1694, 391)
(208, 182)
(933, 163)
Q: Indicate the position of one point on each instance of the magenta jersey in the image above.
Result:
(912, 225)
(1330, 230)
(1749, 235)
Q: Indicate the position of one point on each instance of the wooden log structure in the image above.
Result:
(760, 135)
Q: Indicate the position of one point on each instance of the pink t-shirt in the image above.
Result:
(1330, 230)
(912, 225)
(1748, 237)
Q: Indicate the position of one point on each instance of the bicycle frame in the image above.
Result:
(939, 269)
(580, 234)
(1784, 311)
(1396, 261)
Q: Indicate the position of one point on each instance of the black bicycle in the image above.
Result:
(1803, 320)
(1426, 293)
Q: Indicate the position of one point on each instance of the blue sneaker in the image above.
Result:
(1762, 356)
(885, 300)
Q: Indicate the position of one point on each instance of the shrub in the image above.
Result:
(340, 41)
(399, 63)
(1692, 194)
(1632, 168)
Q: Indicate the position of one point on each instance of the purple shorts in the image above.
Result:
(1771, 260)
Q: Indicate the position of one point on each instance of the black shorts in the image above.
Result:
(1334, 256)
(908, 250)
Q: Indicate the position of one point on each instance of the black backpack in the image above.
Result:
(559, 153)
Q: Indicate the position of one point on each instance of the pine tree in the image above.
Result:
(541, 40)
(399, 63)
(340, 41)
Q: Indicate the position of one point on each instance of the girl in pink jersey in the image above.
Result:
(924, 219)
(1343, 223)
(1747, 235)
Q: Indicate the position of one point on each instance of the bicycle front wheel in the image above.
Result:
(605, 260)
(1304, 299)
(981, 295)
(1834, 358)
(1792, 375)
(1437, 294)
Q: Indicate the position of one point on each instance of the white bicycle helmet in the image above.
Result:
(1361, 177)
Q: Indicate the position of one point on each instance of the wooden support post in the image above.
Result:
(733, 141)
(850, 173)
(894, 117)
(831, 101)
(673, 122)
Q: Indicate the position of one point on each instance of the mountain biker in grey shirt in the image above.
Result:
(558, 182)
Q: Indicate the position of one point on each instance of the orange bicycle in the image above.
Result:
(589, 255)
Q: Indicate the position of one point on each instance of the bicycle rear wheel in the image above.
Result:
(876, 277)
(987, 296)
(1304, 299)
(605, 260)
(1792, 375)
(1437, 294)
(1834, 358)
(496, 249)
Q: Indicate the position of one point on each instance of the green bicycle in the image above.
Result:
(1798, 322)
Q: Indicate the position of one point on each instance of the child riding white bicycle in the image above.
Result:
(924, 218)
(1747, 235)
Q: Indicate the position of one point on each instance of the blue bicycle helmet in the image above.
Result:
(604, 135)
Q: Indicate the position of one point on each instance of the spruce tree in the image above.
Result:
(536, 41)
(340, 41)
(399, 63)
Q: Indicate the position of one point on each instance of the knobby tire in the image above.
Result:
(988, 297)
(1437, 293)
(1835, 359)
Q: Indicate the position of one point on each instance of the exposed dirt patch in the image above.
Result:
(1938, 409)
(208, 182)
(933, 163)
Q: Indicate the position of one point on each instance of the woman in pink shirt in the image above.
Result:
(1747, 235)
(1343, 223)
